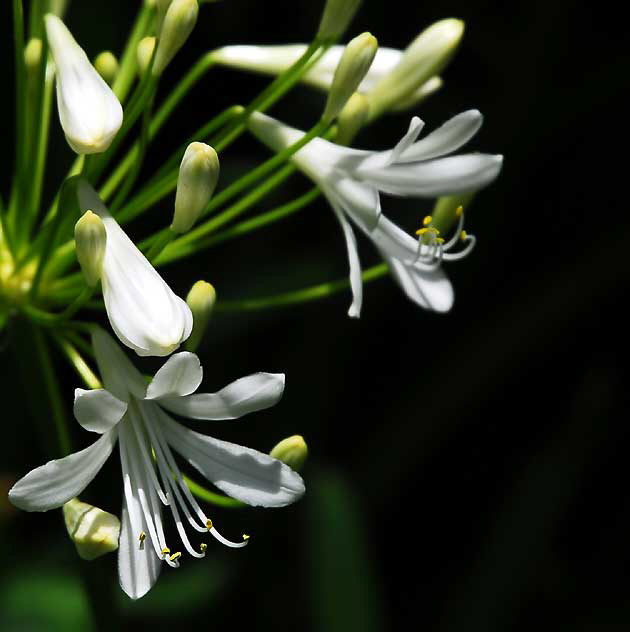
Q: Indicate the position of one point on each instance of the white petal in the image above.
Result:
(356, 282)
(446, 139)
(385, 158)
(51, 485)
(97, 410)
(250, 476)
(143, 311)
(120, 377)
(180, 375)
(89, 112)
(246, 395)
(359, 199)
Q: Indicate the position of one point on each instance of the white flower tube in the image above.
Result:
(143, 311)
(89, 111)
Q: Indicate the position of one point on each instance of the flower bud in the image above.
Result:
(353, 66)
(144, 52)
(292, 451)
(178, 24)
(198, 175)
(424, 91)
(93, 531)
(33, 55)
(58, 7)
(90, 240)
(201, 300)
(161, 7)
(424, 58)
(352, 118)
(106, 65)
(89, 111)
(447, 210)
(336, 17)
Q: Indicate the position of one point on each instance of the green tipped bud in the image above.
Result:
(292, 451)
(352, 68)
(93, 531)
(106, 65)
(352, 118)
(33, 55)
(336, 17)
(201, 300)
(58, 7)
(144, 52)
(198, 175)
(178, 24)
(423, 59)
(90, 240)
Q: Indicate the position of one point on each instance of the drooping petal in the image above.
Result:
(98, 410)
(250, 476)
(180, 375)
(89, 112)
(142, 309)
(55, 483)
(245, 395)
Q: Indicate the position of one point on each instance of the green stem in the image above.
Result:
(50, 320)
(305, 295)
(78, 363)
(159, 243)
(211, 497)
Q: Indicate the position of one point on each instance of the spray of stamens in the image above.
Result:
(433, 249)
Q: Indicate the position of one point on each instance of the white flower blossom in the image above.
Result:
(136, 415)
(142, 309)
(352, 179)
(89, 111)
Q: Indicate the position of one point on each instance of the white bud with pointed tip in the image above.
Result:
(89, 111)
(292, 451)
(201, 300)
(336, 17)
(144, 52)
(93, 531)
(178, 23)
(90, 238)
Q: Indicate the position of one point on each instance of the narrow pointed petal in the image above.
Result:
(359, 199)
(385, 158)
(181, 375)
(89, 112)
(246, 395)
(456, 132)
(51, 485)
(143, 311)
(245, 474)
(98, 410)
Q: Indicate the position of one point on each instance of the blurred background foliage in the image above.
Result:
(467, 471)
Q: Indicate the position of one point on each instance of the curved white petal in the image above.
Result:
(250, 476)
(246, 395)
(359, 199)
(98, 410)
(385, 158)
(89, 112)
(121, 378)
(142, 309)
(180, 375)
(445, 139)
(55, 483)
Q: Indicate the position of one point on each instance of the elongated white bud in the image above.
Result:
(144, 52)
(292, 451)
(89, 112)
(93, 531)
(423, 59)
(106, 65)
(336, 17)
(90, 240)
(201, 300)
(352, 118)
(178, 24)
(353, 66)
(198, 176)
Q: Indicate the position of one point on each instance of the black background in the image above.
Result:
(485, 450)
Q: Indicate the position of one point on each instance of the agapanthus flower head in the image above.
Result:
(138, 417)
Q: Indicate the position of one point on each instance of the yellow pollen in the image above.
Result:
(203, 546)
(245, 536)
(459, 211)
(142, 537)
(209, 524)
(428, 230)
(463, 235)
(175, 556)
(427, 220)
(166, 550)
(439, 240)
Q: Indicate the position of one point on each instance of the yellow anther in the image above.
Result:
(459, 211)
(209, 524)
(142, 537)
(245, 536)
(428, 229)
(175, 556)
(202, 547)
(427, 220)
(439, 240)
(463, 235)
(166, 550)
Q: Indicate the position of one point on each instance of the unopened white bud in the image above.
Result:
(352, 118)
(292, 451)
(198, 176)
(93, 531)
(201, 300)
(352, 68)
(90, 239)
(424, 91)
(144, 52)
(423, 59)
(33, 55)
(106, 65)
(178, 24)
(336, 17)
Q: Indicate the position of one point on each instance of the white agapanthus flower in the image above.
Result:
(137, 416)
(89, 111)
(351, 180)
(142, 309)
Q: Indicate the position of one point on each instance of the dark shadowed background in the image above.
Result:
(468, 471)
